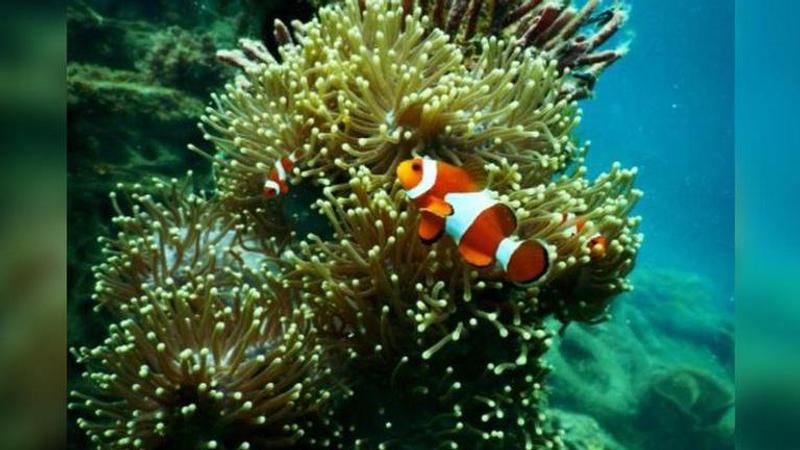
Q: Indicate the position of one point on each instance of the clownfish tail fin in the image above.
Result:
(523, 261)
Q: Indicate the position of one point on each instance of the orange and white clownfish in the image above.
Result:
(453, 201)
(276, 183)
(596, 243)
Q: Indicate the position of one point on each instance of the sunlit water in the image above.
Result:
(667, 107)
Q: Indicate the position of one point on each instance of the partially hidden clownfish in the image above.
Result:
(596, 243)
(453, 200)
(276, 183)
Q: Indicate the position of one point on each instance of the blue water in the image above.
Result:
(667, 107)
(767, 96)
(768, 315)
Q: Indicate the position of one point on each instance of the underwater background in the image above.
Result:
(658, 375)
(667, 108)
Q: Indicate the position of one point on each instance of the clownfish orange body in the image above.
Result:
(276, 183)
(453, 201)
(596, 242)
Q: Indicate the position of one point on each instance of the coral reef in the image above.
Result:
(97, 90)
(232, 329)
(181, 59)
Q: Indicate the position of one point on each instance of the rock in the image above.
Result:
(583, 432)
(665, 353)
(99, 90)
(684, 409)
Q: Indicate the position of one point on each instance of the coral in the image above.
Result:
(439, 401)
(184, 60)
(376, 282)
(100, 90)
(557, 30)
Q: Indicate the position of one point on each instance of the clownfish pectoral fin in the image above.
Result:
(528, 262)
(436, 206)
(476, 168)
(474, 256)
(431, 227)
(271, 188)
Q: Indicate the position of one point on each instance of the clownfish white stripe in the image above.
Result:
(467, 206)
(429, 173)
(506, 250)
(280, 169)
(269, 184)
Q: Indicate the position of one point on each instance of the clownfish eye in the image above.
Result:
(416, 167)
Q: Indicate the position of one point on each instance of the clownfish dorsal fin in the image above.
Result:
(476, 168)
(437, 206)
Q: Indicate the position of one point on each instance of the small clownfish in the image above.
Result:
(597, 246)
(276, 183)
(453, 201)
(596, 243)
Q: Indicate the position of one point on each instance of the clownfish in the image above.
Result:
(276, 183)
(596, 243)
(453, 201)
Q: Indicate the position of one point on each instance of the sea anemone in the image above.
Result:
(210, 350)
(198, 366)
(167, 235)
(369, 85)
(376, 286)
(583, 279)
(408, 316)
